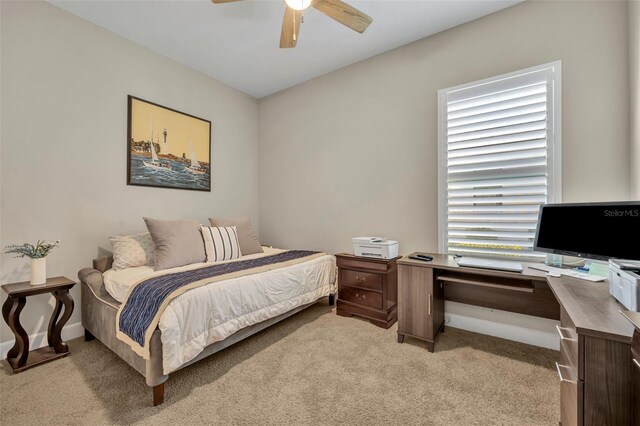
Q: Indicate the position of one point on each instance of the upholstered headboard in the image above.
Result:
(103, 263)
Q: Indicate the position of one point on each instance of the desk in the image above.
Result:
(634, 318)
(595, 365)
(428, 284)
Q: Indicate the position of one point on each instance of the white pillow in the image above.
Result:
(221, 243)
(130, 251)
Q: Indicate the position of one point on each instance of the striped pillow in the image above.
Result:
(221, 243)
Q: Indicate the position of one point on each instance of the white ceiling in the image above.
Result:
(237, 43)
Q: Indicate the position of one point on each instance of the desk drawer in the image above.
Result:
(360, 279)
(361, 297)
(570, 390)
(635, 349)
(569, 348)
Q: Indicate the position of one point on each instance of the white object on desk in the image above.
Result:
(624, 286)
(376, 247)
(501, 265)
(556, 272)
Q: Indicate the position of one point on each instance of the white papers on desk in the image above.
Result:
(568, 272)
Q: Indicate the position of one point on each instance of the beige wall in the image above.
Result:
(354, 152)
(64, 88)
(634, 91)
(349, 153)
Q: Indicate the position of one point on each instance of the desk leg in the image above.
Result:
(55, 326)
(17, 355)
(431, 346)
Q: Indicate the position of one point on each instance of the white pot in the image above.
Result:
(38, 271)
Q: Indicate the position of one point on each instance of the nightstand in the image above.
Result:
(368, 288)
(19, 357)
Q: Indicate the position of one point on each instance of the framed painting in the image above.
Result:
(167, 148)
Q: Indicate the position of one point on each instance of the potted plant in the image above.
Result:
(38, 254)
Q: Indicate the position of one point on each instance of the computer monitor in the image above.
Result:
(593, 230)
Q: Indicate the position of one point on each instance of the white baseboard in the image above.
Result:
(506, 325)
(39, 340)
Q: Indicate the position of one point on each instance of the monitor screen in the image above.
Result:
(594, 230)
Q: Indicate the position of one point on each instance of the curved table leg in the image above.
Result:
(55, 326)
(17, 355)
(6, 308)
(54, 318)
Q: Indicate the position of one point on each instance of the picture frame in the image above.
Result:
(167, 148)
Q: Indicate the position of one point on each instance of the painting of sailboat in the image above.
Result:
(167, 148)
(155, 162)
(195, 167)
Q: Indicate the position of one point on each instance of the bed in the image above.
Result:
(203, 319)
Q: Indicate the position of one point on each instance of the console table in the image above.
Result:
(19, 357)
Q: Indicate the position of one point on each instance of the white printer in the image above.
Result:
(624, 282)
(381, 248)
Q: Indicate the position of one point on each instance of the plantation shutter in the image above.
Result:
(498, 143)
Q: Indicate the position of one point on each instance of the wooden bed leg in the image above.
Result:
(88, 336)
(158, 394)
(332, 299)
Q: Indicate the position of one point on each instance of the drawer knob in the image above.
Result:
(363, 297)
(561, 333)
(562, 379)
(360, 279)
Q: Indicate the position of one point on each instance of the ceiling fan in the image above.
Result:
(334, 9)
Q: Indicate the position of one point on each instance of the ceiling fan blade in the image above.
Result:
(223, 1)
(343, 13)
(290, 28)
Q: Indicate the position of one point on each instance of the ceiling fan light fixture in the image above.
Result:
(298, 4)
(337, 10)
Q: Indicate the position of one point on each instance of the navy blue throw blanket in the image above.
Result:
(147, 297)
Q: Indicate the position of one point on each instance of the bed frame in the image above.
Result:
(99, 311)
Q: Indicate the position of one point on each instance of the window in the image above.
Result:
(499, 160)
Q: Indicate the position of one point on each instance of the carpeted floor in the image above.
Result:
(313, 368)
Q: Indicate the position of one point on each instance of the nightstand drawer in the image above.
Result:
(367, 288)
(374, 265)
(361, 297)
(360, 279)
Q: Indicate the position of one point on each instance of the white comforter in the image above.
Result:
(213, 312)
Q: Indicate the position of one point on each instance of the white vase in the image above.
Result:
(38, 271)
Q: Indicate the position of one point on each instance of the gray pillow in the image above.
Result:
(249, 243)
(177, 242)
